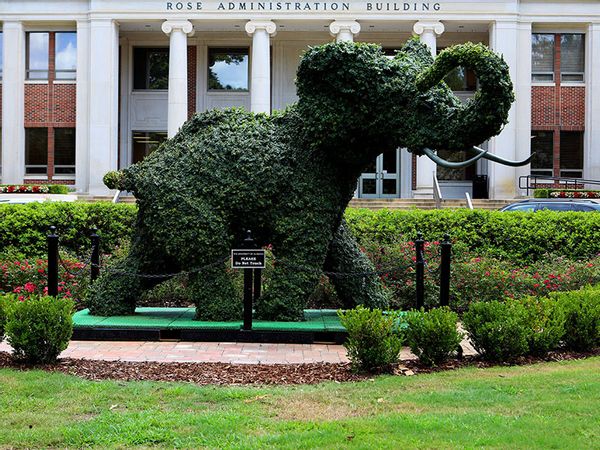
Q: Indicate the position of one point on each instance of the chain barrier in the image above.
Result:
(166, 275)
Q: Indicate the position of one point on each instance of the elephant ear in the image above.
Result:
(484, 115)
(341, 89)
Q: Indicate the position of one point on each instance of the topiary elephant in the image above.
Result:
(289, 176)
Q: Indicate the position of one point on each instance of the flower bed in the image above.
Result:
(29, 278)
(33, 189)
(566, 193)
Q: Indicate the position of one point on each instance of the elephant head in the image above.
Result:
(356, 102)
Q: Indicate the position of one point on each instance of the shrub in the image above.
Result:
(582, 317)
(3, 300)
(546, 321)
(432, 336)
(39, 328)
(515, 236)
(23, 228)
(372, 344)
(498, 331)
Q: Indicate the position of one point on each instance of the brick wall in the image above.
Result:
(192, 75)
(50, 105)
(543, 107)
(572, 107)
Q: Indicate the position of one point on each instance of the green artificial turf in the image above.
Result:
(183, 318)
(549, 405)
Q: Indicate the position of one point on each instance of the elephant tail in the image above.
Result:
(119, 180)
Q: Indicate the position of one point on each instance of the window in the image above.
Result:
(228, 69)
(36, 151)
(65, 48)
(64, 151)
(542, 144)
(571, 154)
(572, 58)
(145, 143)
(542, 57)
(151, 68)
(37, 56)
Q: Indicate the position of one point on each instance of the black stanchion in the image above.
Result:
(446, 257)
(52, 262)
(95, 259)
(257, 283)
(248, 285)
(420, 271)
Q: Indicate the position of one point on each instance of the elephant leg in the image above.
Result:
(215, 295)
(119, 286)
(345, 256)
(296, 272)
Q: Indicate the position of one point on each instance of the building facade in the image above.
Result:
(90, 86)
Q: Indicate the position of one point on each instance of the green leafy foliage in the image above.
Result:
(518, 236)
(498, 331)
(288, 177)
(23, 228)
(3, 301)
(546, 321)
(38, 328)
(432, 335)
(582, 317)
(373, 345)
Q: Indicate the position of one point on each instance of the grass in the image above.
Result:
(550, 405)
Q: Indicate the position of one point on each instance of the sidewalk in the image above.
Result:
(226, 352)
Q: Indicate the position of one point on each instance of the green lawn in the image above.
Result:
(547, 405)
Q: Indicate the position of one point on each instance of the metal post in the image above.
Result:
(257, 284)
(95, 259)
(446, 256)
(248, 286)
(52, 262)
(420, 271)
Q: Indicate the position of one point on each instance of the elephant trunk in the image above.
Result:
(484, 115)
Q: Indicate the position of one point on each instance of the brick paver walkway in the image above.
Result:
(227, 352)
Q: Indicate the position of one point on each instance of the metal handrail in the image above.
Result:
(469, 201)
(437, 192)
(566, 182)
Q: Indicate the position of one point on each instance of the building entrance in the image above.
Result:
(382, 178)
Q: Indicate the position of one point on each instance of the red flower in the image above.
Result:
(30, 287)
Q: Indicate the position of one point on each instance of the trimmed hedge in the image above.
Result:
(516, 235)
(23, 228)
(582, 317)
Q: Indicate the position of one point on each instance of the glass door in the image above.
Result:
(381, 179)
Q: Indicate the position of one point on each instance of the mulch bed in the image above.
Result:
(254, 374)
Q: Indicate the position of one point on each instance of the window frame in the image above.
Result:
(535, 73)
(222, 49)
(61, 71)
(28, 71)
(147, 73)
(563, 73)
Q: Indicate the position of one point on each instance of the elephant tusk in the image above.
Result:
(498, 159)
(452, 165)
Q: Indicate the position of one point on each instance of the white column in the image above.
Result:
(428, 31)
(591, 149)
(344, 30)
(13, 103)
(178, 31)
(504, 39)
(82, 166)
(522, 105)
(103, 102)
(260, 78)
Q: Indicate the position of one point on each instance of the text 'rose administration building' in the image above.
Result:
(90, 86)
